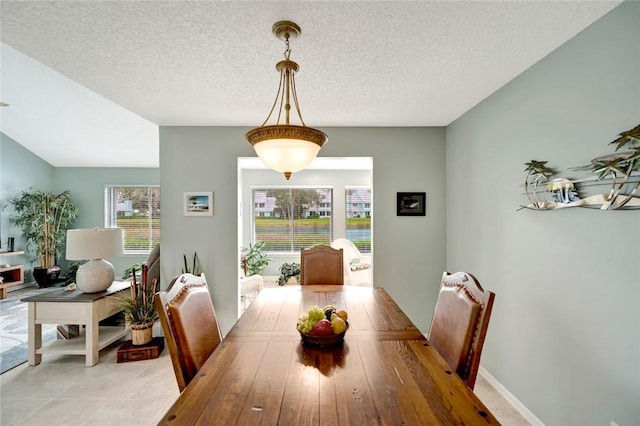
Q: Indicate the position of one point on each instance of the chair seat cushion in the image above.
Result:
(358, 265)
(251, 284)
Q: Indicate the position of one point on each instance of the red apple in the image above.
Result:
(322, 328)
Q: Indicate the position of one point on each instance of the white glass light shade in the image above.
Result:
(97, 274)
(286, 148)
(287, 155)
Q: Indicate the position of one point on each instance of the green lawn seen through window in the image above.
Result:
(277, 236)
(136, 232)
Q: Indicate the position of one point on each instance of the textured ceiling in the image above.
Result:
(125, 67)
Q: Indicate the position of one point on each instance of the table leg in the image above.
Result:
(92, 341)
(34, 335)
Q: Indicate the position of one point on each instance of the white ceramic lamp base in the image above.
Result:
(94, 276)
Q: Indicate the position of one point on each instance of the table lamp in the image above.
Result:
(97, 274)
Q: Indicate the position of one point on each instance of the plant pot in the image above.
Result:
(46, 277)
(293, 280)
(141, 333)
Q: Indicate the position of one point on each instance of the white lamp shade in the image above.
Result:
(84, 244)
(287, 155)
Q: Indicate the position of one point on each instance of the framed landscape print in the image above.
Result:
(411, 204)
(198, 203)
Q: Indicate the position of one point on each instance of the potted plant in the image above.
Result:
(253, 259)
(70, 277)
(288, 270)
(139, 308)
(195, 269)
(128, 272)
(43, 218)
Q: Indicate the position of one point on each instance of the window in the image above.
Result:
(136, 209)
(290, 219)
(358, 211)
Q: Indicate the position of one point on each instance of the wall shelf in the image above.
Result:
(12, 274)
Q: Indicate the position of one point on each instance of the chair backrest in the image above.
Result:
(349, 251)
(460, 323)
(189, 323)
(321, 265)
(153, 265)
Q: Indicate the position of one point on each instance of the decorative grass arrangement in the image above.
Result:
(195, 269)
(139, 306)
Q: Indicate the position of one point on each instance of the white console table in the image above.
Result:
(75, 307)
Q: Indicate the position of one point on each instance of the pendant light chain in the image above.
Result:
(291, 83)
(295, 99)
(275, 102)
(287, 77)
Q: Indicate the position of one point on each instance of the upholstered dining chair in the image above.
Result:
(189, 324)
(321, 265)
(460, 323)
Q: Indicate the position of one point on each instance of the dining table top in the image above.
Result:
(385, 372)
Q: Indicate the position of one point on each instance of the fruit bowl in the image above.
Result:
(329, 341)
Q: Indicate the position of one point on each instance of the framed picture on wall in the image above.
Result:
(198, 203)
(412, 204)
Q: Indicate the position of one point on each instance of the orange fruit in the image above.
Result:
(342, 314)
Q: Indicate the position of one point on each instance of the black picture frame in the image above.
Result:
(412, 204)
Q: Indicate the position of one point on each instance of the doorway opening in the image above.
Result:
(341, 209)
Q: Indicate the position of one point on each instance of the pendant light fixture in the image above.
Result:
(286, 148)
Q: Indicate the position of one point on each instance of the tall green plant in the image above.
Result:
(43, 218)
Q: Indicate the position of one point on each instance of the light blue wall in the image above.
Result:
(409, 251)
(564, 337)
(20, 170)
(565, 332)
(87, 187)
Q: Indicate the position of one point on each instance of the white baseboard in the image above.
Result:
(510, 398)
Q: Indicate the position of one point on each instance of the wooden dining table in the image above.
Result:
(385, 372)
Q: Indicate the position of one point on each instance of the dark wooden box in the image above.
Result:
(130, 352)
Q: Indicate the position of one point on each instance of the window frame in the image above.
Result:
(110, 213)
(254, 188)
(367, 210)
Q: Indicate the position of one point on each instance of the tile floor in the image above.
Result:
(499, 407)
(62, 391)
